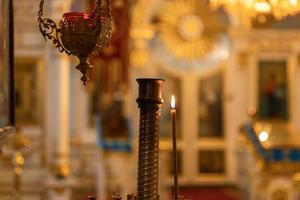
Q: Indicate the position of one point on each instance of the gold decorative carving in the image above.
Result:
(243, 59)
(259, 8)
(278, 167)
(280, 194)
(61, 170)
(188, 28)
(139, 55)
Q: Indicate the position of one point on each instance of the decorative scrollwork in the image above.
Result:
(50, 31)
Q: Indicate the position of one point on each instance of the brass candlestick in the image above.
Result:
(149, 101)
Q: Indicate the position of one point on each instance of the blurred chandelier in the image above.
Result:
(254, 8)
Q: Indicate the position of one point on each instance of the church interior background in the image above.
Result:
(235, 79)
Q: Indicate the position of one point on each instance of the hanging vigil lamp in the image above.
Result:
(79, 34)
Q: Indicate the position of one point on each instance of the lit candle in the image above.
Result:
(175, 163)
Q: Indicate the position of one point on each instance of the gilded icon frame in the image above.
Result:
(273, 86)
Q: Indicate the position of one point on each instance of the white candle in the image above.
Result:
(175, 163)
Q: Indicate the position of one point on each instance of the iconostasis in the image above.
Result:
(266, 58)
(217, 71)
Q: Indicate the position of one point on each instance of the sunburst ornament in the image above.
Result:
(188, 29)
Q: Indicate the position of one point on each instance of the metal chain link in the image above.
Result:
(41, 9)
(109, 9)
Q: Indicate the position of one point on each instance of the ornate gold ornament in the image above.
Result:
(253, 8)
(79, 34)
(61, 170)
(188, 28)
(280, 194)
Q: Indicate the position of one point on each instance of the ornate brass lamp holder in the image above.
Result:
(79, 34)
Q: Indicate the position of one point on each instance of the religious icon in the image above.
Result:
(211, 161)
(114, 122)
(27, 92)
(273, 90)
(114, 128)
(210, 107)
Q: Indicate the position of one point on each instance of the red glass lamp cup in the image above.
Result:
(80, 36)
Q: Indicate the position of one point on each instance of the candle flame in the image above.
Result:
(173, 102)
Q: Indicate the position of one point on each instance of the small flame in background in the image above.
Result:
(263, 136)
(173, 104)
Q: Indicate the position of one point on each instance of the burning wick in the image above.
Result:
(175, 163)
(173, 103)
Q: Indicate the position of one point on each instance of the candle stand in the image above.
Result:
(80, 34)
(149, 102)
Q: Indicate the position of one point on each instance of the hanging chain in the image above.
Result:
(109, 9)
(49, 29)
(41, 9)
(105, 31)
(98, 9)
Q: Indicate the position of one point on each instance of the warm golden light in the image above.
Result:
(262, 7)
(187, 29)
(278, 8)
(173, 104)
(263, 136)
